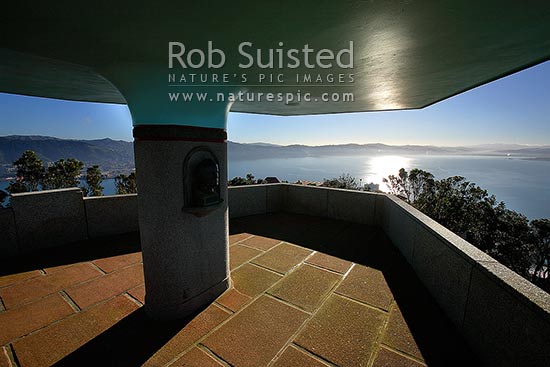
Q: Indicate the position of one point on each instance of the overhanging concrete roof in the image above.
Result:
(408, 54)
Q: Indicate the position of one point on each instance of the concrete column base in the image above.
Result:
(189, 306)
(185, 255)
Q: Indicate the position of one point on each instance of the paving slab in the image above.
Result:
(283, 257)
(367, 285)
(306, 287)
(254, 336)
(343, 332)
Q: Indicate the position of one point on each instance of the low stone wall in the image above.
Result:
(50, 218)
(254, 199)
(348, 205)
(505, 318)
(109, 215)
(8, 233)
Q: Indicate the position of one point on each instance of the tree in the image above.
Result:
(63, 174)
(126, 184)
(29, 174)
(345, 181)
(93, 181)
(397, 184)
(512, 244)
(420, 183)
(463, 207)
(240, 181)
(410, 185)
(540, 229)
(469, 211)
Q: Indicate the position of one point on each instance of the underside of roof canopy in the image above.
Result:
(407, 54)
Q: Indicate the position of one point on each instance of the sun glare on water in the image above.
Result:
(377, 168)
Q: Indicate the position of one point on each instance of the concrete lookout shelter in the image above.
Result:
(402, 54)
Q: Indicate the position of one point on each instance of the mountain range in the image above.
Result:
(114, 156)
(263, 150)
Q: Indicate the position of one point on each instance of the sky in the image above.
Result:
(511, 110)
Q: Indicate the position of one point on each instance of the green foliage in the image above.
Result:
(512, 244)
(93, 181)
(63, 174)
(248, 180)
(29, 174)
(126, 184)
(541, 252)
(32, 176)
(410, 185)
(469, 211)
(463, 207)
(345, 181)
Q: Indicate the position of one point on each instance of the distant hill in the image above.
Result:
(118, 156)
(263, 150)
(110, 155)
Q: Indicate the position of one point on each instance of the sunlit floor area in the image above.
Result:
(306, 291)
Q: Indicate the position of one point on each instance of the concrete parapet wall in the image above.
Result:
(8, 233)
(51, 218)
(348, 205)
(255, 199)
(108, 215)
(503, 317)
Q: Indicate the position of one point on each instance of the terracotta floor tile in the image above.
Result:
(233, 299)
(211, 317)
(138, 293)
(293, 357)
(113, 263)
(10, 279)
(234, 238)
(283, 257)
(238, 255)
(252, 280)
(196, 357)
(387, 358)
(305, 287)
(329, 262)
(255, 335)
(32, 316)
(107, 286)
(53, 269)
(262, 243)
(4, 358)
(343, 332)
(399, 336)
(367, 285)
(51, 344)
(41, 286)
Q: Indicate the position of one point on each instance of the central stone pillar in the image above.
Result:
(182, 195)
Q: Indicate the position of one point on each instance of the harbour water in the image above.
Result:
(523, 184)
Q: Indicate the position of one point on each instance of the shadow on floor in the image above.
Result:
(86, 250)
(136, 338)
(130, 342)
(438, 340)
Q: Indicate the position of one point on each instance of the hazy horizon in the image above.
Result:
(309, 145)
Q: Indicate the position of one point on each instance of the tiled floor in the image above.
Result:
(307, 292)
